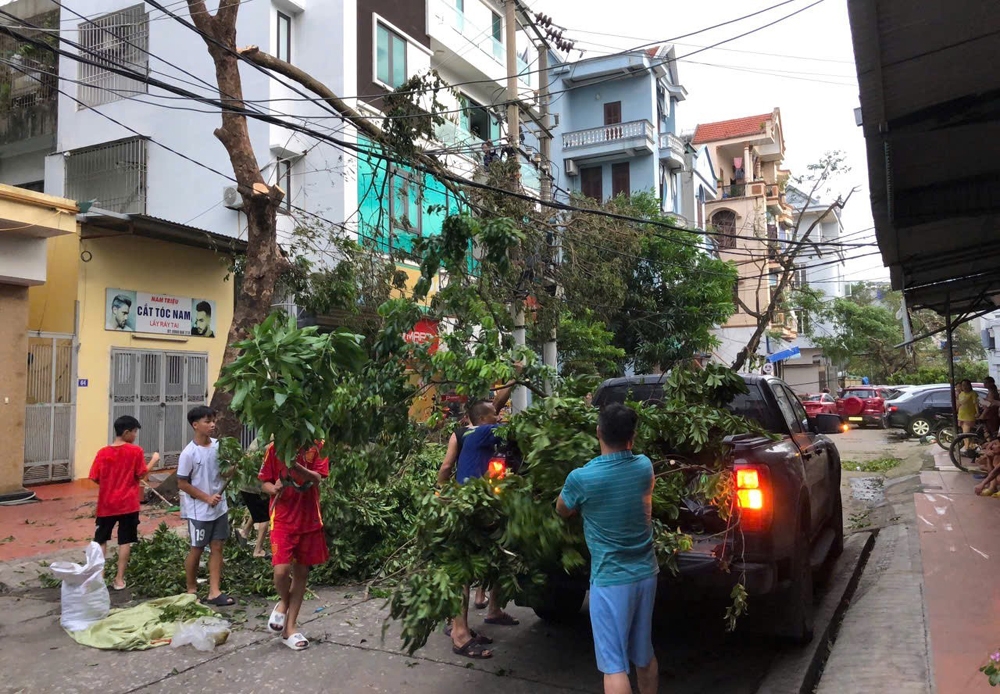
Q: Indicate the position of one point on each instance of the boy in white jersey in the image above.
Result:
(203, 504)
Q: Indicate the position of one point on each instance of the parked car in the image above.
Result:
(819, 403)
(864, 405)
(915, 411)
(791, 525)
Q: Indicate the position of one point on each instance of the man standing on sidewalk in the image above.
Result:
(614, 494)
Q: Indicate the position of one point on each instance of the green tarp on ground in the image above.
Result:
(141, 627)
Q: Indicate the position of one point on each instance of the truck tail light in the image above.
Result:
(497, 468)
(753, 496)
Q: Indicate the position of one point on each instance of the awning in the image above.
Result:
(98, 223)
(930, 105)
(784, 354)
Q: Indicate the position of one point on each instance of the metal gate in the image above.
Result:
(50, 409)
(158, 389)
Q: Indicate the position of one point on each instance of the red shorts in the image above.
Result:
(307, 549)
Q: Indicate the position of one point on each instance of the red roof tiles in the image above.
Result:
(724, 130)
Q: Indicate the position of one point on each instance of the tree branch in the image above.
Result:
(350, 114)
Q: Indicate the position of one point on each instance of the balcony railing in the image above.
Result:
(741, 188)
(619, 132)
(733, 190)
(671, 147)
(481, 38)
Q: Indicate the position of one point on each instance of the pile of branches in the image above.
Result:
(505, 534)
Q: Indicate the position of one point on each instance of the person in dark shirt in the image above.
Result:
(470, 450)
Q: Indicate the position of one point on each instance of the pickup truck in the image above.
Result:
(792, 528)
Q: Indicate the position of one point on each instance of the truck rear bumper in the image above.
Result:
(701, 575)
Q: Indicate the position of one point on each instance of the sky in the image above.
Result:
(803, 65)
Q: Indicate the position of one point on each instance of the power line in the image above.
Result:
(360, 149)
(693, 45)
(700, 50)
(349, 145)
(703, 271)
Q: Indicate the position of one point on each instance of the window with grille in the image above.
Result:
(119, 40)
(113, 175)
(724, 222)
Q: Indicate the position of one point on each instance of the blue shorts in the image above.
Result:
(622, 620)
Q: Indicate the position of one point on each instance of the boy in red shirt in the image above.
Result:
(118, 469)
(297, 538)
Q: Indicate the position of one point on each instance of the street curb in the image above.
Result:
(798, 671)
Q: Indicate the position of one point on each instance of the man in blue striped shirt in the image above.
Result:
(614, 494)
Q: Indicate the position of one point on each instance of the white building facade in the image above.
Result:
(92, 158)
(813, 371)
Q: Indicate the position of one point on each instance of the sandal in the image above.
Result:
(481, 605)
(479, 638)
(123, 586)
(276, 622)
(297, 642)
(472, 649)
(504, 620)
(220, 600)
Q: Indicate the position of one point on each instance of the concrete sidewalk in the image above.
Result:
(961, 566)
(924, 616)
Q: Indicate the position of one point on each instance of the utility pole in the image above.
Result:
(550, 350)
(519, 398)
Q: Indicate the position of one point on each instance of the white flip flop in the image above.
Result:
(277, 619)
(297, 642)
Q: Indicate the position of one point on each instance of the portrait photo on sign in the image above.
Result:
(119, 310)
(202, 318)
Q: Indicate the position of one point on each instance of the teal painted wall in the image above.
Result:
(393, 210)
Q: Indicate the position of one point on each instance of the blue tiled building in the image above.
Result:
(616, 129)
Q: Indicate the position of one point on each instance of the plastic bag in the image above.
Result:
(204, 633)
(85, 598)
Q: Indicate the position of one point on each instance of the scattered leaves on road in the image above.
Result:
(883, 464)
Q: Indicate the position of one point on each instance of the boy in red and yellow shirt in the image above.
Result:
(297, 538)
(118, 469)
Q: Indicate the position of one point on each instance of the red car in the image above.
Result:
(863, 405)
(820, 403)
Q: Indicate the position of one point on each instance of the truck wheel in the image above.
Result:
(563, 604)
(837, 525)
(798, 599)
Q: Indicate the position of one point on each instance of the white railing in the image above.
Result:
(481, 38)
(673, 143)
(609, 133)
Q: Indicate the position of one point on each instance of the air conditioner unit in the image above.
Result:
(231, 198)
(571, 168)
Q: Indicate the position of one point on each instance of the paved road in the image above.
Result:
(350, 655)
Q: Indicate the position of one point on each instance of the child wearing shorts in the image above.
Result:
(118, 470)
(298, 540)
